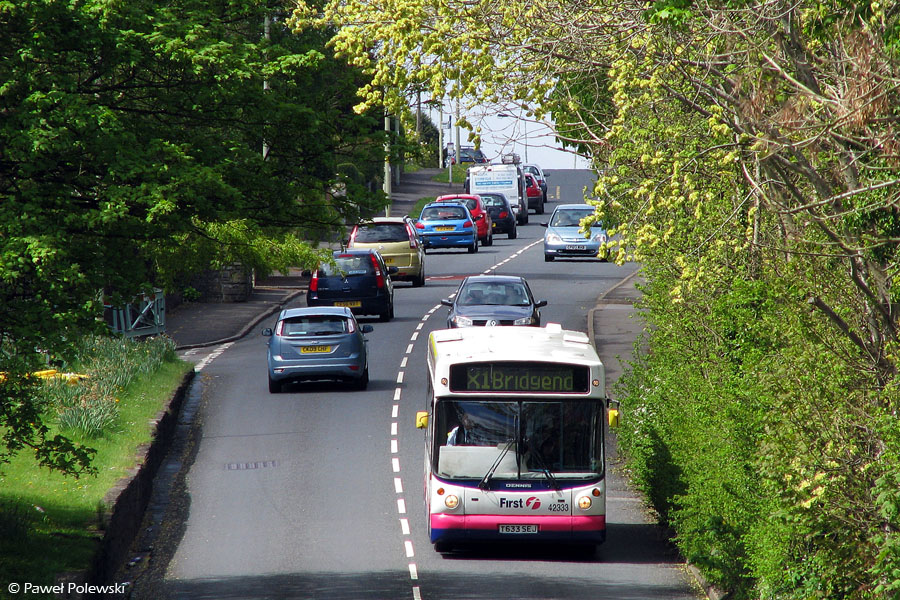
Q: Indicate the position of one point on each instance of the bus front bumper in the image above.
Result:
(556, 528)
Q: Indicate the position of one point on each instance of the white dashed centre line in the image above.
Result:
(395, 409)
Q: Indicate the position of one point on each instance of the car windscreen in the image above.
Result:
(348, 266)
(315, 325)
(443, 213)
(371, 233)
(569, 218)
(498, 294)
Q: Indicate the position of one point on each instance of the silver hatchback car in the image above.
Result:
(563, 237)
(317, 343)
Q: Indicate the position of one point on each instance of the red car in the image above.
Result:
(535, 194)
(479, 214)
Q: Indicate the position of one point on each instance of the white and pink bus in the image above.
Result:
(514, 438)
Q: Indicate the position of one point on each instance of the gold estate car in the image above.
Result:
(396, 239)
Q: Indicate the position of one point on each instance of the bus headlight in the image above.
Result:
(451, 501)
(584, 502)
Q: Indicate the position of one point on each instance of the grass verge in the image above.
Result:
(50, 523)
(459, 175)
(418, 206)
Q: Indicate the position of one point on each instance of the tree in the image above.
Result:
(131, 148)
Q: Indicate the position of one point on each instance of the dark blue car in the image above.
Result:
(358, 279)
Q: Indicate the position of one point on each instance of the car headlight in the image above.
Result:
(552, 238)
(461, 321)
(524, 321)
(600, 237)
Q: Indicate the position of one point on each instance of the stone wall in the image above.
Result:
(233, 283)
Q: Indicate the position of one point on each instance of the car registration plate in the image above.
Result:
(349, 303)
(315, 349)
(575, 247)
(388, 260)
(518, 528)
(443, 228)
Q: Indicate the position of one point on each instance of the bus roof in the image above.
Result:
(550, 343)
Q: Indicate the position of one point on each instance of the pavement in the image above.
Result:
(202, 324)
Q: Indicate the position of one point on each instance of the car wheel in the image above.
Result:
(540, 208)
(525, 218)
(474, 247)
(490, 239)
(548, 258)
(388, 314)
(419, 281)
(513, 233)
(363, 382)
(274, 386)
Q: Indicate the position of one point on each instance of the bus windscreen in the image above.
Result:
(522, 377)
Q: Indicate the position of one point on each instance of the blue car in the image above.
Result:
(317, 343)
(563, 237)
(447, 225)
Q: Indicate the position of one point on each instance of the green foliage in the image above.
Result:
(669, 12)
(131, 155)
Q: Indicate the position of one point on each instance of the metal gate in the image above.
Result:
(146, 315)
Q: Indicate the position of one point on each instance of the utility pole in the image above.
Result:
(401, 158)
(267, 36)
(458, 147)
(419, 114)
(441, 136)
(525, 133)
(387, 162)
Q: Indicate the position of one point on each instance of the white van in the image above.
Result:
(507, 179)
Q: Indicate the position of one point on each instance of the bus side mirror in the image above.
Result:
(613, 416)
(612, 413)
(421, 419)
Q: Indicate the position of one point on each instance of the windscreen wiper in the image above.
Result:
(485, 481)
(545, 470)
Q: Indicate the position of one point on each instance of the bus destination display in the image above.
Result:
(534, 377)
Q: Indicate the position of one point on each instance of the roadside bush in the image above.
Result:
(754, 435)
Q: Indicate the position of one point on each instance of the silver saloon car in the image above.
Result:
(317, 343)
(564, 238)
